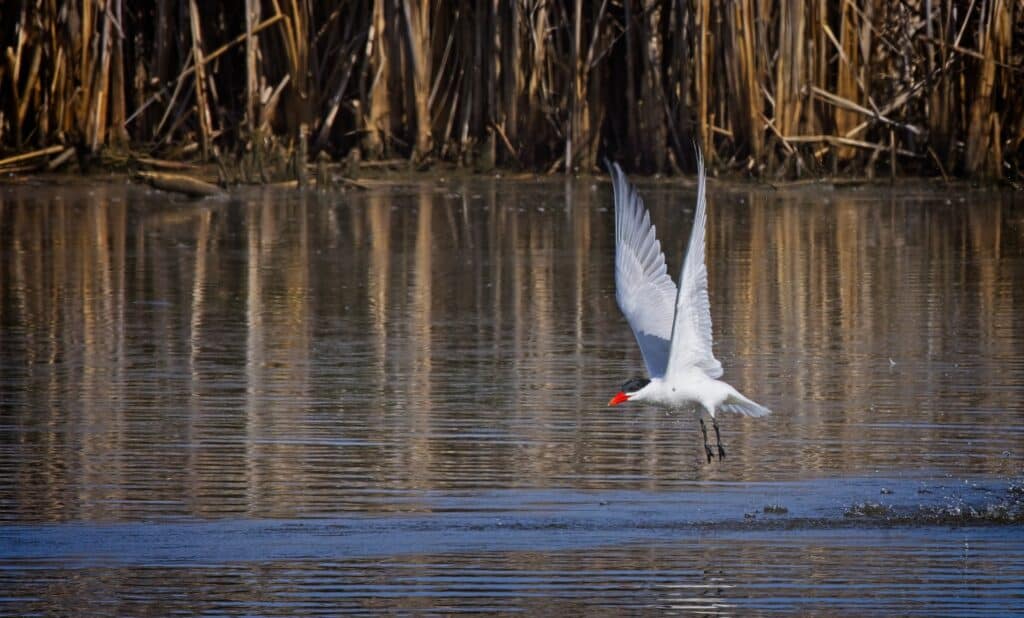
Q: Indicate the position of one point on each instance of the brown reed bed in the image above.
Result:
(777, 88)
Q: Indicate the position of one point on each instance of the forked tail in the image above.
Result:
(738, 404)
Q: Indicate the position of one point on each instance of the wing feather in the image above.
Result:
(691, 331)
(643, 287)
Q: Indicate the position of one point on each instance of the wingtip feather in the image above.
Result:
(745, 407)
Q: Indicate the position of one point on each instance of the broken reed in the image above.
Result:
(772, 87)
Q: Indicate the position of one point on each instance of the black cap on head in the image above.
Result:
(632, 385)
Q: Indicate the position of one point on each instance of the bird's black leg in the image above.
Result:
(704, 430)
(718, 438)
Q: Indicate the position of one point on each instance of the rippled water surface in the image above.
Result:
(288, 404)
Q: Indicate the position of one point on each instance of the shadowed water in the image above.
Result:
(280, 403)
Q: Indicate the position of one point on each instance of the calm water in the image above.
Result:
(396, 399)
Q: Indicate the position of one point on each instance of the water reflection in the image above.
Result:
(278, 355)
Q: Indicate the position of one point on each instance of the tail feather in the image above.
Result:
(738, 404)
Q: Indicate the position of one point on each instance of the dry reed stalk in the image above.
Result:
(790, 75)
(378, 114)
(537, 90)
(417, 28)
(653, 132)
(117, 134)
(754, 72)
(444, 94)
(28, 156)
(82, 50)
(61, 159)
(837, 140)
(703, 52)
(994, 37)
(179, 183)
(295, 38)
(97, 125)
(349, 50)
(203, 110)
(876, 114)
(252, 77)
(30, 85)
(576, 89)
(14, 68)
(853, 48)
(513, 66)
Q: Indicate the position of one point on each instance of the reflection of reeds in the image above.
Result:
(769, 86)
(419, 317)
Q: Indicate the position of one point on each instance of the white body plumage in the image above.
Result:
(695, 388)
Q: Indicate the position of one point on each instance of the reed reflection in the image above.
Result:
(280, 355)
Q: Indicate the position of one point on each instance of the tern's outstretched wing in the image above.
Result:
(645, 292)
(691, 332)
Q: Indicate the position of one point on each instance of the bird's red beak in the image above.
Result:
(618, 398)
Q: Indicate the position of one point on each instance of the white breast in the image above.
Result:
(693, 387)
